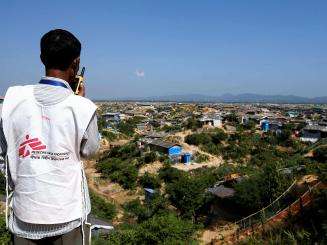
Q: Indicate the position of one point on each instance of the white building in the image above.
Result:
(215, 121)
(313, 133)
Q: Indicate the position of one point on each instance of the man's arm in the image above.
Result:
(91, 138)
(3, 144)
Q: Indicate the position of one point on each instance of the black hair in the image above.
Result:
(59, 48)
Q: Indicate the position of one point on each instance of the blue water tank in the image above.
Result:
(265, 126)
(187, 157)
(174, 150)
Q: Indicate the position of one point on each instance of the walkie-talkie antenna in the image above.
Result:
(82, 72)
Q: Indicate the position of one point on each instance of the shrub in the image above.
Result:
(4, 233)
(320, 153)
(109, 135)
(126, 151)
(149, 181)
(101, 208)
(128, 127)
(187, 194)
(170, 174)
(262, 188)
(122, 172)
(150, 157)
(198, 139)
(201, 158)
(159, 229)
(213, 149)
(2, 183)
(157, 205)
(192, 123)
(218, 136)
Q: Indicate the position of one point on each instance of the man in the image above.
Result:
(44, 132)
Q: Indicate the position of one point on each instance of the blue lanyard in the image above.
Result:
(53, 83)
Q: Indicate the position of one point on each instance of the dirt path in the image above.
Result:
(214, 161)
(151, 168)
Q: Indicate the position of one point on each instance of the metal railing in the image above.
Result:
(269, 215)
(258, 217)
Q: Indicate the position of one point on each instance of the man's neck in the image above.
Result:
(64, 75)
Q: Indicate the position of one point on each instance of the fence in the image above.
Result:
(270, 215)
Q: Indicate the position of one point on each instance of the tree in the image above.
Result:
(102, 124)
(320, 153)
(192, 123)
(150, 157)
(187, 194)
(149, 181)
(261, 189)
(169, 174)
(157, 205)
(101, 208)
(247, 194)
(4, 233)
(232, 118)
(218, 136)
(198, 139)
(126, 128)
(2, 183)
(159, 229)
(123, 172)
(109, 135)
(167, 229)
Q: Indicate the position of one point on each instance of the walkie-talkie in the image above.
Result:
(79, 81)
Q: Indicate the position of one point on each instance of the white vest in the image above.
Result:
(44, 155)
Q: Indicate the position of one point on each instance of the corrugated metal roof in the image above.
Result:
(316, 127)
(164, 144)
(222, 191)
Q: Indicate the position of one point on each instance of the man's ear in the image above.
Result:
(75, 65)
(41, 58)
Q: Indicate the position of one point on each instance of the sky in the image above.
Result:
(142, 48)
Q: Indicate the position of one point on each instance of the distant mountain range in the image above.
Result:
(230, 98)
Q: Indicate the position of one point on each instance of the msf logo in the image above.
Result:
(30, 145)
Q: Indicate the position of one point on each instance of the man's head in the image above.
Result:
(60, 52)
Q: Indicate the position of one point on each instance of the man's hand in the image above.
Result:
(81, 90)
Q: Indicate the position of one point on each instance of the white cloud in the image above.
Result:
(139, 73)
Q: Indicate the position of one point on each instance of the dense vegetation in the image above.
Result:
(308, 228)
(320, 153)
(128, 127)
(261, 188)
(2, 184)
(102, 208)
(120, 165)
(182, 204)
(159, 229)
(214, 137)
(122, 172)
(4, 233)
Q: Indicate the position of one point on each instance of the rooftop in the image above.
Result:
(222, 191)
(164, 144)
(316, 128)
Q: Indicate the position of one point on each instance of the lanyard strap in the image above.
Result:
(53, 83)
